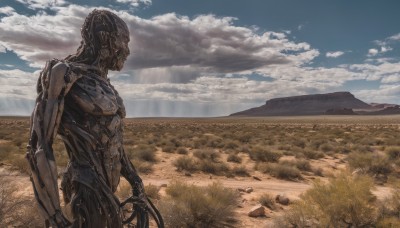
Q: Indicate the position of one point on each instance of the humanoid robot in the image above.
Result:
(76, 101)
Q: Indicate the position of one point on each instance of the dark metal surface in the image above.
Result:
(76, 100)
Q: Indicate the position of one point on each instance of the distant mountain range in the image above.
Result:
(338, 103)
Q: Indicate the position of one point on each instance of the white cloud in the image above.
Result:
(395, 37)
(391, 78)
(389, 93)
(7, 10)
(17, 84)
(2, 49)
(373, 52)
(178, 61)
(206, 42)
(41, 4)
(385, 49)
(334, 54)
(135, 3)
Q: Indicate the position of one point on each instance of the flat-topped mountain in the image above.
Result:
(338, 103)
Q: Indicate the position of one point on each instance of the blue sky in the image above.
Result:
(212, 57)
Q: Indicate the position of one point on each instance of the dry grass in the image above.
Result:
(267, 200)
(192, 206)
(369, 145)
(345, 201)
(17, 211)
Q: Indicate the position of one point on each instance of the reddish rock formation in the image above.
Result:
(316, 104)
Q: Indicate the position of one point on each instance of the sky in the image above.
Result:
(192, 58)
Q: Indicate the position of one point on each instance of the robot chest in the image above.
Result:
(94, 97)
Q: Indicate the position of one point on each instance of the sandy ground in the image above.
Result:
(164, 172)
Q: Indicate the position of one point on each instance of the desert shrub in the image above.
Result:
(7, 149)
(191, 206)
(299, 143)
(313, 154)
(124, 190)
(244, 149)
(199, 142)
(143, 167)
(152, 191)
(361, 148)
(301, 164)
(281, 171)
(185, 163)
(259, 153)
(389, 209)
(346, 201)
(316, 143)
(240, 171)
(142, 152)
(267, 200)
(393, 152)
(18, 162)
(318, 171)
(214, 141)
(231, 145)
(342, 149)
(234, 158)
(326, 147)
(391, 222)
(168, 148)
(175, 142)
(369, 163)
(217, 168)
(182, 150)
(17, 211)
(245, 137)
(211, 155)
(285, 147)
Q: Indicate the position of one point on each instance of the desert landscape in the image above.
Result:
(240, 172)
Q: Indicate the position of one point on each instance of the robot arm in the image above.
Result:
(45, 119)
(140, 202)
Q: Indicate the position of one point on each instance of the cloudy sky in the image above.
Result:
(212, 57)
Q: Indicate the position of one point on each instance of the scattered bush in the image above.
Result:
(318, 171)
(234, 158)
(17, 211)
(299, 143)
(211, 155)
(182, 150)
(143, 167)
(389, 209)
(369, 163)
(19, 163)
(346, 201)
(326, 147)
(185, 163)
(301, 164)
(142, 152)
(231, 145)
(313, 154)
(152, 191)
(192, 206)
(124, 190)
(217, 168)
(168, 149)
(267, 201)
(240, 171)
(393, 152)
(281, 171)
(259, 153)
(7, 149)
